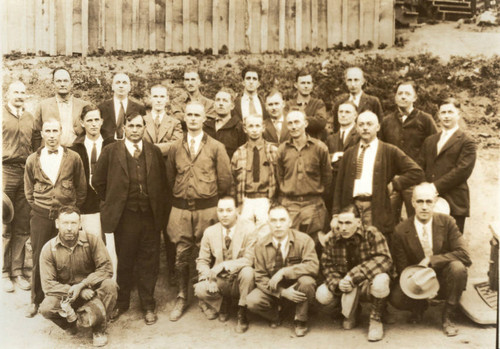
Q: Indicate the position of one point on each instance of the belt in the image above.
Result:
(194, 204)
(363, 198)
(256, 195)
(302, 198)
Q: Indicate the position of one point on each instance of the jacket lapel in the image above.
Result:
(437, 237)
(150, 127)
(164, 126)
(149, 155)
(455, 137)
(349, 140)
(413, 240)
(122, 156)
(237, 239)
(362, 101)
(217, 243)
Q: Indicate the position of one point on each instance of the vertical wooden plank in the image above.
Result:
(290, 42)
(30, 26)
(231, 26)
(201, 25)
(264, 21)
(185, 25)
(85, 27)
(152, 25)
(177, 27)
(127, 23)
(215, 31)
(193, 24)
(5, 28)
(282, 33)
(102, 25)
(345, 20)
(322, 24)
(298, 25)
(119, 25)
(23, 47)
(353, 22)
(168, 25)
(223, 25)
(143, 39)
(366, 31)
(52, 29)
(306, 24)
(160, 25)
(77, 26)
(314, 24)
(38, 34)
(241, 41)
(68, 24)
(387, 22)
(93, 25)
(135, 25)
(60, 25)
(208, 23)
(273, 23)
(376, 23)
(255, 25)
(110, 26)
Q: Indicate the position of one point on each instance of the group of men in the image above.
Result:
(245, 187)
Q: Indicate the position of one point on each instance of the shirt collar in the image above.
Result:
(419, 225)
(309, 141)
(197, 139)
(87, 141)
(450, 131)
(131, 145)
(118, 101)
(59, 99)
(372, 144)
(337, 236)
(259, 144)
(80, 241)
(229, 231)
(347, 129)
(248, 96)
(282, 242)
(269, 239)
(406, 114)
(14, 110)
(45, 150)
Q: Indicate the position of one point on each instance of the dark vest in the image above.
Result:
(138, 199)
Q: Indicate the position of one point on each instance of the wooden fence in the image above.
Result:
(64, 27)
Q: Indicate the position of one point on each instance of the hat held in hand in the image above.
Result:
(92, 313)
(419, 282)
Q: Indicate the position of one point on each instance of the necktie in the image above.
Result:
(359, 162)
(251, 107)
(93, 158)
(157, 126)
(192, 149)
(342, 134)
(441, 142)
(119, 122)
(278, 262)
(277, 126)
(256, 165)
(19, 112)
(425, 243)
(55, 152)
(227, 240)
(137, 151)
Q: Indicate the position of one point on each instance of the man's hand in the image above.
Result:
(425, 262)
(337, 156)
(322, 237)
(87, 294)
(212, 287)
(345, 285)
(275, 280)
(293, 295)
(216, 271)
(390, 188)
(74, 291)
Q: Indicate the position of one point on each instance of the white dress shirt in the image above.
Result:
(419, 227)
(355, 98)
(68, 134)
(16, 111)
(88, 147)
(228, 232)
(50, 163)
(245, 104)
(445, 136)
(197, 141)
(284, 246)
(131, 146)
(405, 115)
(118, 103)
(363, 186)
(347, 130)
(156, 115)
(278, 125)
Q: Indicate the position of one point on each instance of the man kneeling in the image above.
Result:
(230, 244)
(356, 263)
(76, 272)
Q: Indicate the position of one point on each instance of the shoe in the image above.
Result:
(72, 330)
(99, 339)
(209, 312)
(375, 330)
(7, 285)
(22, 283)
(449, 327)
(116, 313)
(388, 317)
(242, 324)
(224, 311)
(350, 323)
(32, 310)
(300, 328)
(179, 308)
(275, 323)
(150, 317)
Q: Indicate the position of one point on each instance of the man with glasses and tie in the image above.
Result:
(198, 173)
(130, 180)
(406, 128)
(369, 172)
(354, 79)
(64, 106)
(115, 110)
(225, 265)
(53, 177)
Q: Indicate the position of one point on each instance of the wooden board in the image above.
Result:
(193, 24)
(127, 24)
(52, 29)
(366, 29)
(135, 25)
(185, 25)
(290, 42)
(60, 27)
(282, 25)
(152, 25)
(118, 25)
(143, 28)
(177, 26)
(168, 25)
(201, 24)
(208, 23)
(241, 40)
(215, 27)
(352, 21)
(77, 27)
(222, 24)
(30, 25)
(254, 25)
(387, 22)
(160, 24)
(322, 24)
(298, 25)
(334, 22)
(264, 25)
(231, 23)
(85, 27)
(273, 26)
(94, 24)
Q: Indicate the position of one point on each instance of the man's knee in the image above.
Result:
(255, 299)
(108, 286)
(50, 306)
(246, 274)
(306, 284)
(323, 295)
(457, 269)
(380, 286)
(201, 289)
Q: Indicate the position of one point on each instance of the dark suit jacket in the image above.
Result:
(170, 130)
(450, 169)
(111, 182)
(92, 201)
(448, 244)
(270, 134)
(366, 102)
(237, 108)
(107, 109)
(231, 134)
(334, 145)
(391, 165)
(316, 116)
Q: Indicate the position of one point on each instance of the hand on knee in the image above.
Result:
(323, 295)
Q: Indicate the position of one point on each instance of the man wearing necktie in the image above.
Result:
(17, 134)
(356, 258)
(275, 130)
(406, 128)
(354, 80)
(225, 265)
(448, 159)
(198, 173)
(286, 265)
(130, 180)
(63, 107)
(431, 240)
(53, 177)
(250, 103)
(369, 172)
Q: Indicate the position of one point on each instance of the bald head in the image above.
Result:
(367, 126)
(16, 94)
(423, 201)
(121, 85)
(354, 79)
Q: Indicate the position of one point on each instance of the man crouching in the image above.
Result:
(76, 272)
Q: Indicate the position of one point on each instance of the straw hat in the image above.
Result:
(419, 282)
(7, 209)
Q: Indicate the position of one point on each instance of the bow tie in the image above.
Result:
(55, 152)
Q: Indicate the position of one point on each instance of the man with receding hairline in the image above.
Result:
(275, 130)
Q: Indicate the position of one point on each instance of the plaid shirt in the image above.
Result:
(239, 165)
(372, 253)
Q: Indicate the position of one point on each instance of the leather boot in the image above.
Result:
(242, 324)
(449, 327)
(182, 295)
(376, 329)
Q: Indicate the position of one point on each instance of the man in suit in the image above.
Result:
(286, 265)
(406, 128)
(198, 173)
(63, 107)
(275, 130)
(17, 145)
(250, 103)
(369, 172)
(130, 180)
(163, 130)
(354, 80)
(431, 240)
(115, 111)
(225, 265)
(53, 177)
(225, 127)
(313, 108)
(448, 159)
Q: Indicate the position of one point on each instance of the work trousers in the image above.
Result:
(255, 210)
(397, 200)
(307, 216)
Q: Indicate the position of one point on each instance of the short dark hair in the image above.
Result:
(60, 68)
(408, 82)
(132, 116)
(229, 91)
(352, 104)
(277, 206)
(251, 68)
(87, 109)
(303, 72)
(68, 209)
(450, 100)
(351, 209)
